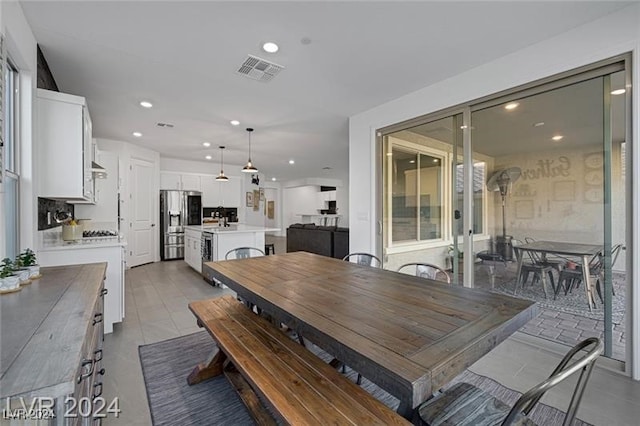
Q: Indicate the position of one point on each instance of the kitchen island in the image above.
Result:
(212, 242)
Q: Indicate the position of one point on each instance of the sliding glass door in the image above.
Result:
(524, 194)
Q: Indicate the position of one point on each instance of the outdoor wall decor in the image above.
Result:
(560, 167)
(261, 194)
(256, 200)
(593, 177)
(249, 199)
(271, 207)
(564, 190)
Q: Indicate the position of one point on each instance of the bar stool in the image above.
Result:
(269, 249)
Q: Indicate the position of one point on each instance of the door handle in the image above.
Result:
(456, 214)
(153, 224)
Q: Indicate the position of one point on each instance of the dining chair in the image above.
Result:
(555, 261)
(363, 259)
(464, 404)
(243, 253)
(531, 263)
(425, 270)
(571, 278)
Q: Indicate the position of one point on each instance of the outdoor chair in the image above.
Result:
(556, 262)
(464, 404)
(243, 253)
(363, 259)
(532, 264)
(425, 270)
(571, 278)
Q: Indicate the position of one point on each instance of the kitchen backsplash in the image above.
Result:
(45, 206)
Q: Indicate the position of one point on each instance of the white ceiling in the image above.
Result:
(182, 56)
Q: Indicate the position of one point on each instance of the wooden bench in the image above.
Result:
(298, 386)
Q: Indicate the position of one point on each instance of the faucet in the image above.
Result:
(225, 222)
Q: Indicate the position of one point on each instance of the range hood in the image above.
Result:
(98, 171)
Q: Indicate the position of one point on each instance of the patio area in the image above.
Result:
(566, 319)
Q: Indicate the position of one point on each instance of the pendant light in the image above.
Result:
(249, 168)
(221, 177)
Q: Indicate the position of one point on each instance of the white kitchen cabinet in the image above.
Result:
(226, 194)
(63, 133)
(185, 182)
(192, 253)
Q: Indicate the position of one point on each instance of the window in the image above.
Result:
(11, 182)
(419, 193)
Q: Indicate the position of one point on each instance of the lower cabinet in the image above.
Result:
(192, 249)
(87, 406)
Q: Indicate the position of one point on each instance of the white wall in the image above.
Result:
(126, 152)
(609, 36)
(22, 50)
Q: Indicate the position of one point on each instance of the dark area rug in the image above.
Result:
(166, 365)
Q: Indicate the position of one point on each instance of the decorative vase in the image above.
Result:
(9, 283)
(23, 275)
(34, 272)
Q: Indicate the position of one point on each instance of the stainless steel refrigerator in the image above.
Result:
(177, 210)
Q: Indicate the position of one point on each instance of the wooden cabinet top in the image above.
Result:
(43, 328)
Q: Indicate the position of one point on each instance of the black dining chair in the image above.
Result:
(571, 278)
(425, 270)
(465, 405)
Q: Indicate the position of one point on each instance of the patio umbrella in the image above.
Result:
(500, 181)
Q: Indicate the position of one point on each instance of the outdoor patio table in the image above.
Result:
(409, 335)
(584, 251)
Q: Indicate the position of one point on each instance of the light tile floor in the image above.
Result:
(156, 309)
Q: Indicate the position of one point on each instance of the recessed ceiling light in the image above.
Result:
(270, 47)
(557, 137)
(435, 160)
(146, 104)
(389, 154)
(539, 124)
(618, 91)
(510, 106)
(412, 161)
(292, 161)
(207, 144)
(235, 123)
(273, 179)
(137, 134)
(208, 157)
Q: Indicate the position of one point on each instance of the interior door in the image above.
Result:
(143, 218)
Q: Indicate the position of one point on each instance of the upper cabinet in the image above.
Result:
(225, 194)
(65, 151)
(184, 182)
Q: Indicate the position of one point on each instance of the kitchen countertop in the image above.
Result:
(43, 330)
(231, 229)
(82, 244)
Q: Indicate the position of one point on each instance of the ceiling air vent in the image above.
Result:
(168, 125)
(259, 69)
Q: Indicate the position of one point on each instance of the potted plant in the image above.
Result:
(21, 271)
(8, 279)
(28, 260)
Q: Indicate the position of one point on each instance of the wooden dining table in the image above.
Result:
(409, 335)
(583, 252)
